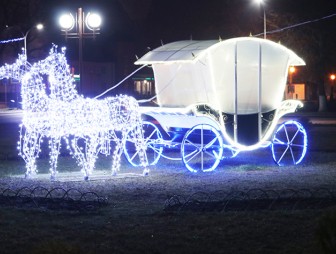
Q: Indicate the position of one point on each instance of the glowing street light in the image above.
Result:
(261, 3)
(74, 27)
(332, 78)
(290, 84)
(291, 72)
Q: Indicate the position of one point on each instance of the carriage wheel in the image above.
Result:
(289, 143)
(153, 139)
(202, 148)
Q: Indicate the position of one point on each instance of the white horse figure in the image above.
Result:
(87, 125)
(90, 125)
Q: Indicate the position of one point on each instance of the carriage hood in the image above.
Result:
(230, 75)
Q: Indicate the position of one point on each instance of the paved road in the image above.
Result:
(10, 116)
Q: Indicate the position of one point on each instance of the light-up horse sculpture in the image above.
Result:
(88, 125)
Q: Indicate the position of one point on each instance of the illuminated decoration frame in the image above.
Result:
(218, 88)
(87, 125)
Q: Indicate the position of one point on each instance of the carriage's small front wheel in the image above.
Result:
(153, 138)
(202, 148)
(289, 143)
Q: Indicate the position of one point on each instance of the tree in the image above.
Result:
(314, 41)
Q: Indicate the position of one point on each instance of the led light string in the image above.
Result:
(296, 25)
(12, 40)
(87, 125)
(118, 84)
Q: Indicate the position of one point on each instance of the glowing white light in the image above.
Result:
(39, 26)
(87, 125)
(67, 21)
(93, 21)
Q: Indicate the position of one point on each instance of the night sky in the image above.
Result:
(132, 27)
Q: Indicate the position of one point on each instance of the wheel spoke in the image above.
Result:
(211, 143)
(192, 155)
(283, 154)
(293, 157)
(154, 148)
(296, 133)
(134, 155)
(278, 142)
(297, 145)
(151, 135)
(199, 147)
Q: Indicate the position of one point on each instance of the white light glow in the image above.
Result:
(87, 125)
(93, 21)
(67, 21)
(39, 26)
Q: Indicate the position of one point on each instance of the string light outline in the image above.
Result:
(87, 125)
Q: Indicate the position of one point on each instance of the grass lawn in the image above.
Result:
(135, 222)
(122, 230)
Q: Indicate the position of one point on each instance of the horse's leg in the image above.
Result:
(116, 157)
(91, 152)
(79, 155)
(141, 147)
(54, 145)
(29, 150)
(86, 159)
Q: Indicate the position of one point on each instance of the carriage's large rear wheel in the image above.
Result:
(202, 148)
(153, 138)
(289, 143)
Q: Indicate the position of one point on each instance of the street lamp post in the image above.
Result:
(291, 72)
(261, 3)
(91, 22)
(24, 38)
(332, 78)
(38, 27)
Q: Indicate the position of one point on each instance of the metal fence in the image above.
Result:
(52, 199)
(252, 200)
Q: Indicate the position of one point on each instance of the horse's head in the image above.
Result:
(16, 70)
(61, 82)
(32, 85)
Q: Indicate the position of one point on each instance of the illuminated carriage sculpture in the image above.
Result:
(218, 98)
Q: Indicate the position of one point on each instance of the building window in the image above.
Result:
(144, 87)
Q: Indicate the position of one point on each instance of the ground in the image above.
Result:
(136, 218)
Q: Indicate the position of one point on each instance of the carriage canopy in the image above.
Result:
(237, 76)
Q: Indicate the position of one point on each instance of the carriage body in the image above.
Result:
(234, 88)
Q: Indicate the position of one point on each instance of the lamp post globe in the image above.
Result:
(93, 21)
(67, 21)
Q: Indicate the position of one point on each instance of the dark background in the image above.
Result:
(131, 27)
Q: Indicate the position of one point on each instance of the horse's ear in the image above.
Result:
(53, 49)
